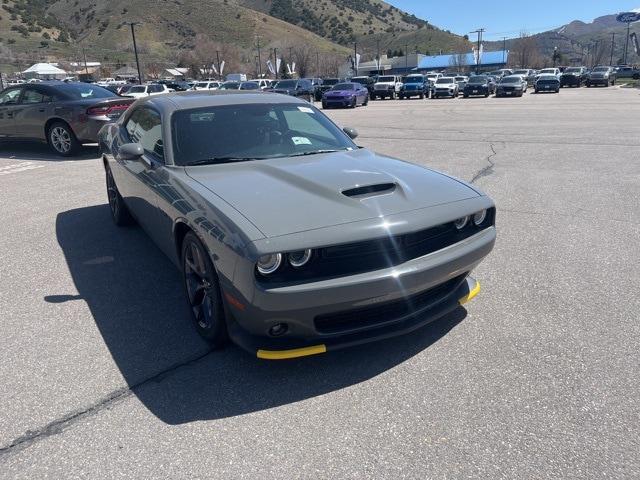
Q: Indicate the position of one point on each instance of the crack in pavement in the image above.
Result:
(488, 170)
(59, 425)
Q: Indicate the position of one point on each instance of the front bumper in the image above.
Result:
(359, 299)
(337, 102)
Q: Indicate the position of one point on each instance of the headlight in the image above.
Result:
(461, 222)
(300, 258)
(479, 217)
(269, 263)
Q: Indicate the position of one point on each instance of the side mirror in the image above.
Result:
(130, 151)
(351, 132)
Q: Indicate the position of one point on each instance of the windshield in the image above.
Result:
(461, 79)
(361, 80)
(601, 69)
(253, 131)
(478, 80)
(416, 79)
(230, 86)
(286, 84)
(511, 80)
(344, 86)
(330, 81)
(548, 70)
(138, 89)
(386, 79)
(444, 80)
(249, 86)
(83, 91)
(521, 72)
(572, 70)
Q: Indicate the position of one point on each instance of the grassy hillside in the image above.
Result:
(46, 30)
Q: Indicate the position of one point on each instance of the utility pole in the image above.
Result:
(480, 31)
(626, 45)
(378, 55)
(84, 54)
(135, 48)
(406, 57)
(355, 58)
(613, 45)
(317, 64)
(504, 50)
(218, 60)
(275, 61)
(259, 59)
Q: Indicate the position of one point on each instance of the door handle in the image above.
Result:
(9, 114)
(41, 109)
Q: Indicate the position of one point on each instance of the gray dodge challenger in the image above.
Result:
(291, 239)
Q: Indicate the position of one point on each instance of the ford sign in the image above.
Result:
(628, 17)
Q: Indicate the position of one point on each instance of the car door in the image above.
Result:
(35, 107)
(139, 180)
(9, 100)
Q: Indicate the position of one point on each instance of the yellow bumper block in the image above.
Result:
(470, 296)
(293, 353)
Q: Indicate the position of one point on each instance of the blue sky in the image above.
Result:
(505, 18)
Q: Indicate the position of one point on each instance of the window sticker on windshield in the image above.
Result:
(300, 141)
(305, 109)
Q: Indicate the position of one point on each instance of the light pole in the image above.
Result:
(626, 45)
(613, 45)
(135, 48)
(259, 59)
(480, 31)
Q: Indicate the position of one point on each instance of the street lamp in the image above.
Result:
(135, 47)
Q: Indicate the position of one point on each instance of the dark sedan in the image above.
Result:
(326, 85)
(511, 86)
(290, 239)
(573, 77)
(547, 83)
(296, 88)
(65, 115)
(478, 85)
(366, 82)
(349, 94)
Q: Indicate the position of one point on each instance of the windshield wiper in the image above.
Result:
(317, 152)
(216, 160)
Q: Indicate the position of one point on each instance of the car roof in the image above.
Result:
(170, 102)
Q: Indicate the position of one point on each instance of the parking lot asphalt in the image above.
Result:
(102, 376)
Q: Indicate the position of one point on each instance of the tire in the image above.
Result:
(464, 95)
(486, 95)
(324, 106)
(373, 96)
(202, 290)
(422, 96)
(392, 96)
(354, 103)
(62, 140)
(119, 212)
(366, 101)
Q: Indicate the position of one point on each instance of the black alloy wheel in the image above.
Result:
(119, 211)
(203, 292)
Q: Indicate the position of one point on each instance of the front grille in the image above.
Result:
(375, 254)
(383, 313)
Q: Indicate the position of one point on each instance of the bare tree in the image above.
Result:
(153, 70)
(304, 57)
(525, 51)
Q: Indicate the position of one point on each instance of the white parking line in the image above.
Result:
(18, 167)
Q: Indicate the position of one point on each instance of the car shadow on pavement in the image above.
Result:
(135, 297)
(40, 151)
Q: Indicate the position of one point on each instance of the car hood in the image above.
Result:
(296, 194)
(340, 93)
(599, 74)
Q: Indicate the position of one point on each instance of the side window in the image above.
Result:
(31, 95)
(10, 97)
(145, 127)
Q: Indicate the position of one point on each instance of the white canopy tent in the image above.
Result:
(44, 71)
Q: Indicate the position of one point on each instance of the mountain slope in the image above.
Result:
(48, 29)
(584, 42)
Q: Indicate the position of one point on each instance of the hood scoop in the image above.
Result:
(369, 190)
